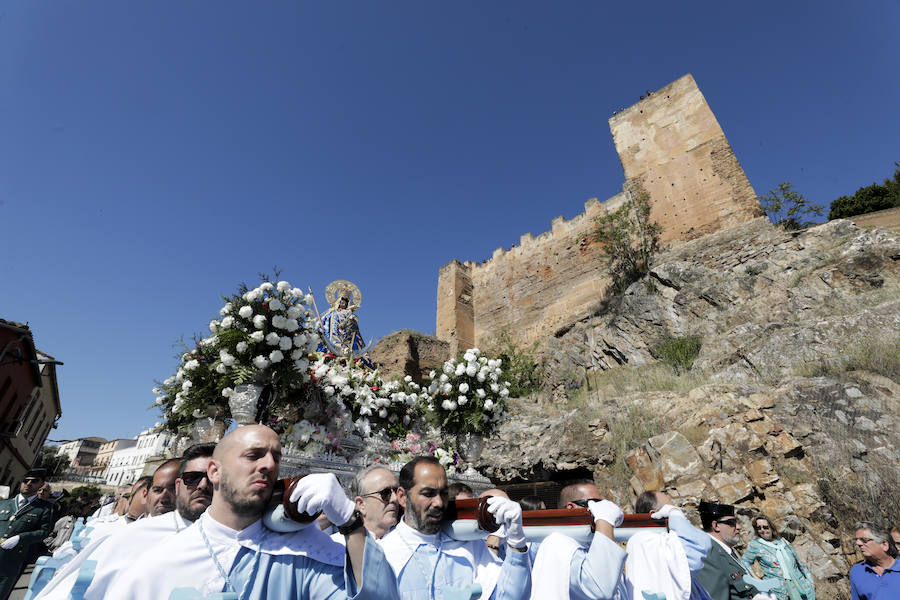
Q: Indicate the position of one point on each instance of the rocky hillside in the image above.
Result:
(754, 366)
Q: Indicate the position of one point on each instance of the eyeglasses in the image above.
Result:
(760, 527)
(383, 494)
(729, 522)
(864, 540)
(31, 480)
(193, 478)
(583, 502)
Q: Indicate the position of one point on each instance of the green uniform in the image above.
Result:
(722, 576)
(32, 523)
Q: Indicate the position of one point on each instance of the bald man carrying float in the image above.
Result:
(229, 550)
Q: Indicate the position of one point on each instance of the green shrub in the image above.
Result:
(679, 352)
(520, 367)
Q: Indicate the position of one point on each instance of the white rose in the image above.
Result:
(469, 357)
(480, 393)
(382, 413)
(446, 388)
(278, 321)
(227, 322)
(214, 326)
(275, 304)
(446, 405)
(464, 387)
(273, 338)
(265, 285)
(260, 362)
(259, 321)
(299, 340)
(481, 377)
(448, 367)
(504, 393)
(488, 404)
(283, 286)
(284, 343)
(308, 299)
(276, 356)
(186, 385)
(297, 293)
(471, 370)
(220, 368)
(329, 390)
(227, 392)
(462, 400)
(191, 365)
(291, 325)
(460, 369)
(245, 311)
(495, 388)
(257, 336)
(444, 378)
(294, 312)
(431, 374)
(242, 347)
(225, 309)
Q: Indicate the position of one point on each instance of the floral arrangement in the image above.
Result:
(468, 395)
(265, 338)
(412, 444)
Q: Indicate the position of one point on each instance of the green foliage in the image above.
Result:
(520, 368)
(880, 356)
(86, 493)
(47, 459)
(788, 208)
(679, 352)
(868, 199)
(629, 240)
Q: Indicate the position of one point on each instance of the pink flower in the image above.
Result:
(395, 445)
(416, 448)
(412, 437)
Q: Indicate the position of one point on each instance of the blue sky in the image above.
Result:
(155, 154)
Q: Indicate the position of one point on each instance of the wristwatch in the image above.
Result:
(355, 522)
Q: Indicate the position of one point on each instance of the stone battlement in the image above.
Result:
(673, 150)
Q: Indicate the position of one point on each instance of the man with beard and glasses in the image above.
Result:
(565, 568)
(193, 494)
(428, 564)
(723, 572)
(375, 490)
(229, 549)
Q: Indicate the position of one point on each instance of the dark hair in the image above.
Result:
(530, 503)
(195, 451)
(456, 488)
(407, 473)
(168, 463)
(141, 483)
(646, 502)
(759, 516)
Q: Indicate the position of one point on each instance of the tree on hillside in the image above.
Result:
(868, 199)
(787, 207)
(629, 240)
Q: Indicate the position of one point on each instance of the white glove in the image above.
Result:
(321, 491)
(762, 596)
(606, 511)
(509, 515)
(10, 543)
(667, 510)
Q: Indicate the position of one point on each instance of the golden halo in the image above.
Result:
(341, 288)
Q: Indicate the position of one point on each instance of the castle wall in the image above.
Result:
(671, 148)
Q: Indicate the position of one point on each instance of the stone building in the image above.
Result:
(126, 465)
(672, 150)
(105, 454)
(29, 400)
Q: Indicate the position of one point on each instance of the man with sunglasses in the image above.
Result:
(25, 520)
(375, 490)
(723, 572)
(193, 494)
(565, 569)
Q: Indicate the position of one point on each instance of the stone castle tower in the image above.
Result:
(671, 148)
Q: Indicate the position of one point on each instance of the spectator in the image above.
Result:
(459, 490)
(877, 577)
(532, 503)
(778, 560)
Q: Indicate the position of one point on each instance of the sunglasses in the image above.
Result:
(762, 527)
(583, 503)
(31, 480)
(384, 495)
(193, 478)
(729, 522)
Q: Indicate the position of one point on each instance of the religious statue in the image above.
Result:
(339, 326)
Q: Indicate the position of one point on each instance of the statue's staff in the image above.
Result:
(314, 302)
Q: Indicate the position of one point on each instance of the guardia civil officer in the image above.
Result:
(25, 520)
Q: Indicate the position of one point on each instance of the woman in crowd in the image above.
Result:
(777, 559)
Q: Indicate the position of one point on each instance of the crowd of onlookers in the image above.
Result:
(397, 528)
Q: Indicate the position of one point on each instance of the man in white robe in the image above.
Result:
(427, 562)
(193, 494)
(102, 527)
(565, 569)
(662, 563)
(229, 549)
